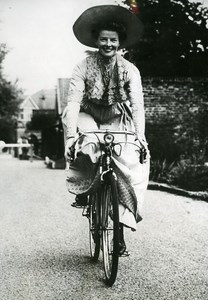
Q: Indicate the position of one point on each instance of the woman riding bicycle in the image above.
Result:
(105, 92)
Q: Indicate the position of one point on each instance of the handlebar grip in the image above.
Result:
(143, 155)
(72, 154)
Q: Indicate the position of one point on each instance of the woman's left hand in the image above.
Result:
(144, 151)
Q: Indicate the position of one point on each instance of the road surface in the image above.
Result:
(44, 251)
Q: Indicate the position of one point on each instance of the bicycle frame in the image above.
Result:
(103, 206)
(102, 211)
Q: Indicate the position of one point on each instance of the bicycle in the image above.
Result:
(102, 210)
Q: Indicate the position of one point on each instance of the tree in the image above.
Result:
(175, 38)
(10, 98)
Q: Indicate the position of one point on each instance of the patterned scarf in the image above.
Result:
(105, 85)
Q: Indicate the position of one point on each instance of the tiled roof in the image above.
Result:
(63, 88)
(45, 99)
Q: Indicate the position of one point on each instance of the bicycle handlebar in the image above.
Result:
(141, 149)
(113, 132)
(109, 131)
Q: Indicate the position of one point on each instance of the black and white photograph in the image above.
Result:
(103, 149)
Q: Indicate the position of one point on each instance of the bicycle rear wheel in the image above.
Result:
(110, 228)
(94, 225)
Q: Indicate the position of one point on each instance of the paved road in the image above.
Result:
(44, 243)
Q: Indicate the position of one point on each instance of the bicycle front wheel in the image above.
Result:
(110, 228)
(94, 222)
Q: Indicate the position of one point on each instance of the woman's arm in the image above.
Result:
(137, 102)
(75, 95)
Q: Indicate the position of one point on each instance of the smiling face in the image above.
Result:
(108, 43)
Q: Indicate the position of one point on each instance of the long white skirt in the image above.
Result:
(128, 163)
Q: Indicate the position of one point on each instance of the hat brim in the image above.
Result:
(91, 17)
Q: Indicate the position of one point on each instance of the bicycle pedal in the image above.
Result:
(74, 204)
(125, 254)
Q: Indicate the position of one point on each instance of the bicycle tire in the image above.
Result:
(94, 224)
(110, 228)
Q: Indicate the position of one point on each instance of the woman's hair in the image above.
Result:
(111, 26)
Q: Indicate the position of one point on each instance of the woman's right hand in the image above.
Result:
(68, 146)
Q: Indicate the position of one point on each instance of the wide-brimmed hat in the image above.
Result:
(92, 17)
